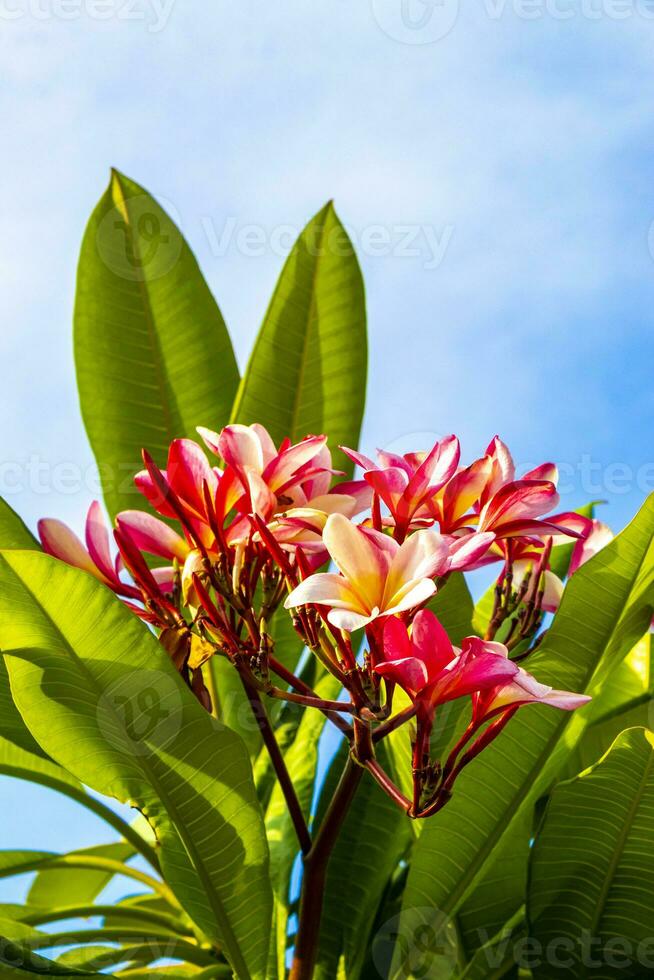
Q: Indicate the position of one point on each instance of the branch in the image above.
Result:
(279, 765)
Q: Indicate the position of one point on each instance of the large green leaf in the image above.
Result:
(591, 885)
(152, 352)
(625, 700)
(606, 608)
(99, 693)
(307, 371)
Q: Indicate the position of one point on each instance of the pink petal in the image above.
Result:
(465, 552)
(518, 501)
(411, 595)
(430, 642)
(346, 619)
(358, 489)
(438, 467)
(210, 438)
(240, 448)
(477, 674)
(464, 490)
(281, 470)
(503, 460)
(396, 645)
(359, 557)
(97, 541)
(325, 589)
(164, 577)
(146, 485)
(546, 471)
(59, 541)
(389, 484)
(409, 672)
(584, 550)
(268, 447)
(358, 458)
(152, 535)
(188, 470)
(423, 555)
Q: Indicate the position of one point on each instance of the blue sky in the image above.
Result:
(492, 159)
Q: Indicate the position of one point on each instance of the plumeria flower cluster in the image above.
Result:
(231, 532)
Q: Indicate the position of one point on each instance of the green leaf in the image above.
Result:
(100, 694)
(14, 533)
(373, 840)
(592, 867)
(454, 607)
(606, 608)
(18, 962)
(63, 886)
(152, 352)
(307, 371)
(625, 700)
(13, 729)
(499, 957)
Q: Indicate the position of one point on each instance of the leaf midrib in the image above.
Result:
(157, 356)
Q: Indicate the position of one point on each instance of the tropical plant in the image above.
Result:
(347, 773)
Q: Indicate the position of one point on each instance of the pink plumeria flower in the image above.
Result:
(378, 576)
(406, 483)
(94, 557)
(432, 671)
(281, 477)
(187, 474)
(520, 690)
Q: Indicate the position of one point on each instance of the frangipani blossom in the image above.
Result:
(290, 475)
(378, 576)
(59, 541)
(520, 690)
(431, 670)
(406, 483)
(187, 474)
